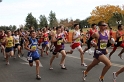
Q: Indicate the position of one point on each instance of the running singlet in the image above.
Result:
(33, 45)
(111, 33)
(102, 41)
(17, 39)
(77, 33)
(45, 35)
(91, 32)
(58, 43)
(2, 36)
(119, 39)
(9, 41)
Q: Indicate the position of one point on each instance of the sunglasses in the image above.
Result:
(103, 25)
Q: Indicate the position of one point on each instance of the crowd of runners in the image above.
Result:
(100, 36)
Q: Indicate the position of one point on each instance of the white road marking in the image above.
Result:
(113, 64)
(26, 62)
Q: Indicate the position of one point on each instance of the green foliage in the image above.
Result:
(84, 23)
(52, 19)
(43, 21)
(12, 28)
(31, 21)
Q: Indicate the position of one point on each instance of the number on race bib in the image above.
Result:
(103, 45)
(29, 58)
(120, 39)
(59, 42)
(45, 39)
(33, 47)
(77, 40)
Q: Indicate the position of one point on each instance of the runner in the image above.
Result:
(82, 37)
(9, 41)
(100, 52)
(45, 43)
(76, 43)
(2, 37)
(53, 32)
(119, 41)
(90, 41)
(115, 74)
(32, 46)
(17, 44)
(57, 39)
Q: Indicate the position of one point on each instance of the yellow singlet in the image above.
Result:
(9, 41)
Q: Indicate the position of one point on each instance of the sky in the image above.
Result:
(14, 12)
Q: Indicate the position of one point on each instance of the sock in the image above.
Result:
(85, 72)
(101, 77)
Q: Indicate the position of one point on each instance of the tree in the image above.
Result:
(84, 23)
(103, 13)
(31, 21)
(52, 19)
(14, 28)
(43, 21)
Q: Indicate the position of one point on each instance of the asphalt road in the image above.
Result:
(20, 71)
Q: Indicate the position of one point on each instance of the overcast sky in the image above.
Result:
(14, 12)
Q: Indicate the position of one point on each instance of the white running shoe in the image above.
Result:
(84, 76)
(114, 75)
(84, 64)
(101, 80)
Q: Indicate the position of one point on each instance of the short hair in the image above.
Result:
(93, 25)
(58, 27)
(100, 23)
(75, 25)
(8, 31)
(119, 26)
(32, 31)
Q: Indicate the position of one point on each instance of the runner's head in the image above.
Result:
(16, 32)
(33, 34)
(120, 27)
(8, 32)
(44, 29)
(31, 28)
(93, 26)
(76, 26)
(62, 27)
(54, 28)
(110, 29)
(102, 25)
(1, 32)
(58, 30)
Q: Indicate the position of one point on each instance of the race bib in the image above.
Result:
(45, 39)
(29, 58)
(77, 40)
(16, 41)
(120, 39)
(59, 42)
(103, 45)
(33, 47)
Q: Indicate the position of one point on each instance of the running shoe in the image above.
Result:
(38, 77)
(120, 56)
(84, 64)
(101, 80)
(51, 68)
(7, 63)
(84, 76)
(114, 75)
